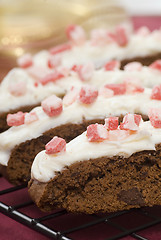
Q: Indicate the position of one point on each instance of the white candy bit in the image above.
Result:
(99, 37)
(106, 92)
(155, 117)
(86, 71)
(143, 31)
(133, 66)
(52, 106)
(133, 86)
(71, 96)
(131, 122)
(76, 34)
(64, 71)
(17, 89)
(96, 132)
(56, 145)
(25, 61)
(118, 135)
(31, 117)
(54, 61)
(38, 72)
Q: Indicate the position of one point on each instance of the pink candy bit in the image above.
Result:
(52, 106)
(70, 97)
(56, 145)
(96, 132)
(131, 122)
(30, 117)
(15, 119)
(156, 65)
(133, 66)
(54, 61)
(25, 61)
(87, 95)
(155, 117)
(86, 71)
(118, 89)
(51, 77)
(121, 36)
(76, 34)
(156, 93)
(111, 123)
(106, 92)
(60, 48)
(118, 135)
(112, 65)
(17, 89)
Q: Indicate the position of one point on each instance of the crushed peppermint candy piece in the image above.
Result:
(52, 106)
(111, 123)
(87, 95)
(156, 92)
(18, 89)
(15, 119)
(131, 122)
(133, 66)
(96, 132)
(155, 117)
(117, 88)
(143, 31)
(56, 145)
(112, 65)
(25, 61)
(54, 61)
(60, 48)
(51, 77)
(156, 65)
(106, 92)
(100, 37)
(133, 86)
(71, 96)
(76, 34)
(31, 117)
(121, 36)
(118, 135)
(85, 72)
(76, 68)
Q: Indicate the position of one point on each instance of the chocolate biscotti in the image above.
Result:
(68, 118)
(106, 169)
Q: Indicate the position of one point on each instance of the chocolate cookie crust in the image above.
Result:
(145, 60)
(103, 184)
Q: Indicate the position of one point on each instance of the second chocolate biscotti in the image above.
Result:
(66, 119)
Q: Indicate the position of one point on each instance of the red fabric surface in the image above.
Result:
(11, 230)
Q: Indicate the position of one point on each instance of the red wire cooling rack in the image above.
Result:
(134, 223)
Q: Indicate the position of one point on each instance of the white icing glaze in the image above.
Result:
(101, 108)
(79, 149)
(137, 46)
(146, 77)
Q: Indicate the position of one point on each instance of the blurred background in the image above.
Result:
(29, 26)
